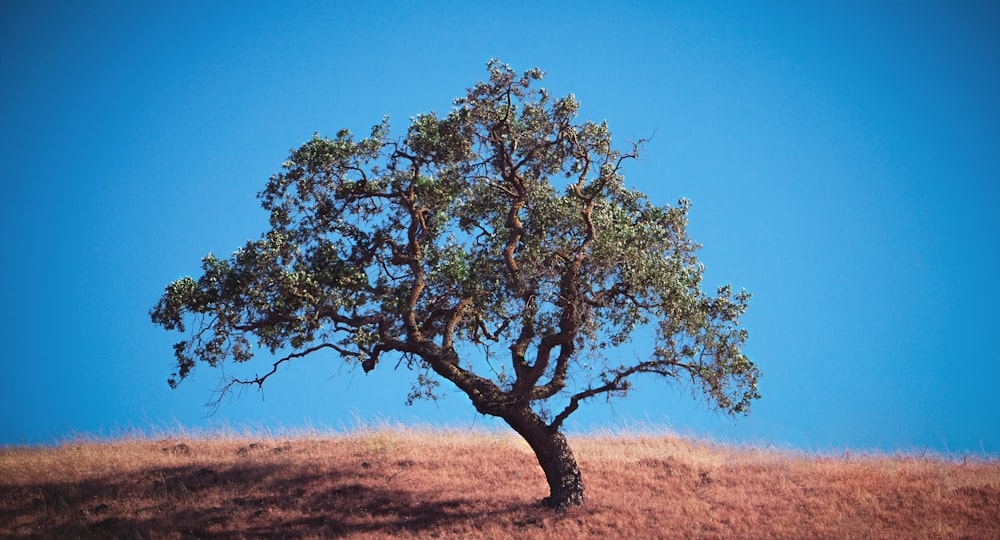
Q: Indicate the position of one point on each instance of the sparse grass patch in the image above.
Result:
(410, 483)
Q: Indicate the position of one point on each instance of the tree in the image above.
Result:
(503, 226)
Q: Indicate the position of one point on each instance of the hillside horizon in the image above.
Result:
(405, 483)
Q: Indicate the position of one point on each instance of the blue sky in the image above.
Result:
(843, 160)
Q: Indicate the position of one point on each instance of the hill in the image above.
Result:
(444, 484)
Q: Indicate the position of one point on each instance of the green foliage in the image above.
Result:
(505, 222)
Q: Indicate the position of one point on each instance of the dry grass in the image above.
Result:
(434, 483)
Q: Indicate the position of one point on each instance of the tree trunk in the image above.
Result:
(554, 455)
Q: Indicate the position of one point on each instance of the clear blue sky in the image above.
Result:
(843, 159)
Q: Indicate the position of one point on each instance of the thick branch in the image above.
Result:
(413, 252)
(453, 320)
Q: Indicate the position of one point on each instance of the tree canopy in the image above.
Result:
(496, 247)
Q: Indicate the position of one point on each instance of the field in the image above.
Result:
(430, 483)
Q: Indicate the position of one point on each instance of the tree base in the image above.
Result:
(562, 503)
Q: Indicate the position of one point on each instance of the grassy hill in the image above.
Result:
(442, 484)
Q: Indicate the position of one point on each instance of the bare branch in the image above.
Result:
(259, 380)
(618, 382)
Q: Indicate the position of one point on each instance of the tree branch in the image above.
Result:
(259, 380)
(619, 382)
(456, 315)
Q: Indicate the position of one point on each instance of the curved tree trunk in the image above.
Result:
(554, 455)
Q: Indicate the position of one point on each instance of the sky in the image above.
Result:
(843, 160)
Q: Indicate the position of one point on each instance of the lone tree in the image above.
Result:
(496, 247)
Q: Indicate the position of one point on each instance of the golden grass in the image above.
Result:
(445, 484)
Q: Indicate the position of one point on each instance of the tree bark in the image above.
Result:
(554, 455)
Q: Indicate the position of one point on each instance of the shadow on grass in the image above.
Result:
(247, 499)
